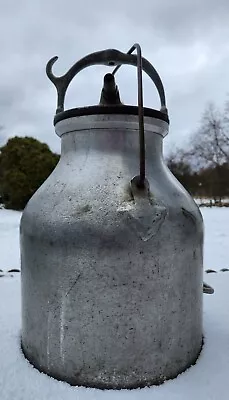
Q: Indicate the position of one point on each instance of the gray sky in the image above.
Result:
(187, 41)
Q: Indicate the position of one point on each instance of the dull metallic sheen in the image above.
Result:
(111, 253)
(111, 273)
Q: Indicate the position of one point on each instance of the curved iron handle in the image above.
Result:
(110, 57)
(141, 179)
(114, 57)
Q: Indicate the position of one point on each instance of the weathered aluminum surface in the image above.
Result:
(111, 276)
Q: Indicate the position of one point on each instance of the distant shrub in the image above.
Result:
(25, 163)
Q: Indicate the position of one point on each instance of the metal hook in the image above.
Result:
(113, 57)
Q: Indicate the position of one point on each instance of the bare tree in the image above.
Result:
(210, 143)
(209, 146)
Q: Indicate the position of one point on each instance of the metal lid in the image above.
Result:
(109, 109)
(109, 101)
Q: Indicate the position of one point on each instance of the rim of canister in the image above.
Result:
(118, 110)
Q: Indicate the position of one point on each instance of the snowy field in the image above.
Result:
(206, 380)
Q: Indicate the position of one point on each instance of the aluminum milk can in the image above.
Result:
(111, 245)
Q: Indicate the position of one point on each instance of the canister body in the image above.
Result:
(111, 277)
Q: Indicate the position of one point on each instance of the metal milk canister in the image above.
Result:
(111, 245)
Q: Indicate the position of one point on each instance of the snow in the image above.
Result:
(216, 237)
(9, 239)
(207, 380)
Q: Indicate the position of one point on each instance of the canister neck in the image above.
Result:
(121, 144)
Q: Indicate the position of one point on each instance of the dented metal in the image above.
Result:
(112, 271)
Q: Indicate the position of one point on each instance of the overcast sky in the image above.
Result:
(187, 41)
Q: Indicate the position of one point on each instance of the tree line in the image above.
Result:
(202, 167)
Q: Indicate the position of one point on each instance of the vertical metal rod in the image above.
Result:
(137, 47)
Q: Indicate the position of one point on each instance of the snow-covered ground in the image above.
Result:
(9, 239)
(207, 380)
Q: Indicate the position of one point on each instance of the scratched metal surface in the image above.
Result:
(111, 280)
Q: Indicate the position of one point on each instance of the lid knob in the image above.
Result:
(110, 93)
